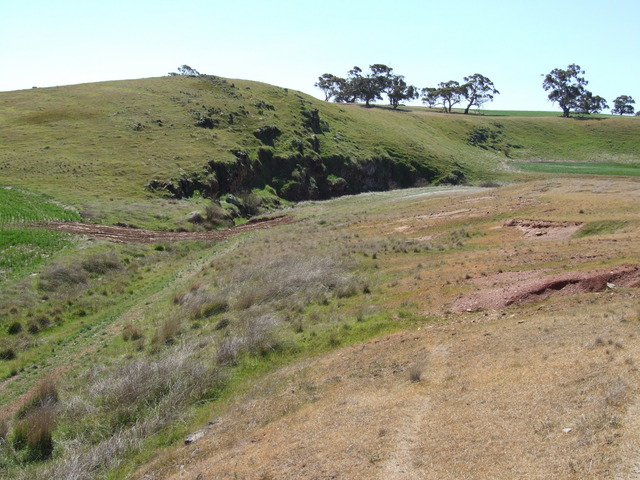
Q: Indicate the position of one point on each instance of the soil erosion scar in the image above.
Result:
(138, 235)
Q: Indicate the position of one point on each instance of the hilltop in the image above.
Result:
(125, 148)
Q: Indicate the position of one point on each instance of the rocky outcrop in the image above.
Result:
(297, 177)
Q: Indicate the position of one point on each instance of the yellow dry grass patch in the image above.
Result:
(522, 396)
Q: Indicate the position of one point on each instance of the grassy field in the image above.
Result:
(527, 113)
(582, 168)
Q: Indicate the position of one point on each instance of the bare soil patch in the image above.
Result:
(138, 235)
(520, 287)
(544, 229)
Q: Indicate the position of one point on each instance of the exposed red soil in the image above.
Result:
(139, 235)
(543, 228)
(526, 289)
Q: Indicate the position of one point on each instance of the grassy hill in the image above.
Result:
(98, 146)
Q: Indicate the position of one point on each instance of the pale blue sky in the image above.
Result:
(290, 43)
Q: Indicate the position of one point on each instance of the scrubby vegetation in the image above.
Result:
(259, 301)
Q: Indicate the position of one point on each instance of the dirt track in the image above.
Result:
(138, 235)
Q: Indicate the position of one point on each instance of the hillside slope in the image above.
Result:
(415, 333)
(543, 384)
(101, 146)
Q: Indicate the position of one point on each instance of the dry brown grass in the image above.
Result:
(497, 397)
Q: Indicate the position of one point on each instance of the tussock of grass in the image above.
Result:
(60, 276)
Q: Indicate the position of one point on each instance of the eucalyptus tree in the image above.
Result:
(446, 94)
(567, 89)
(623, 105)
(477, 90)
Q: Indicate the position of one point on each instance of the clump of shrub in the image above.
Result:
(33, 327)
(34, 434)
(352, 287)
(156, 389)
(251, 203)
(101, 263)
(286, 280)
(254, 335)
(4, 430)
(45, 394)
(7, 352)
(35, 422)
(61, 276)
(415, 373)
(198, 302)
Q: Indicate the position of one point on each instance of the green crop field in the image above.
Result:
(20, 207)
(582, 168)
(21, 247)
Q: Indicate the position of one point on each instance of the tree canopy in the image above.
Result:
(623, 105)
(446, 94)
(186, 70)
(567, 89)
(478, 90)
(367, 86)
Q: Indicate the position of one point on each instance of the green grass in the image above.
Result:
(582, 168)
(23, 249)
(529, 113)
(600, 228)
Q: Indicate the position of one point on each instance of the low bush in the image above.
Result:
(34, 433)
(101, 263)
(168, 331)
(131, 332)
(4, 430)
(33, 327)
(199, 302)
(7, 352)
(59, 276)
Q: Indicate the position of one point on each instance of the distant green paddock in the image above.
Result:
(534, 113)
(581, 168)
(515, 113)
(23, 248)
